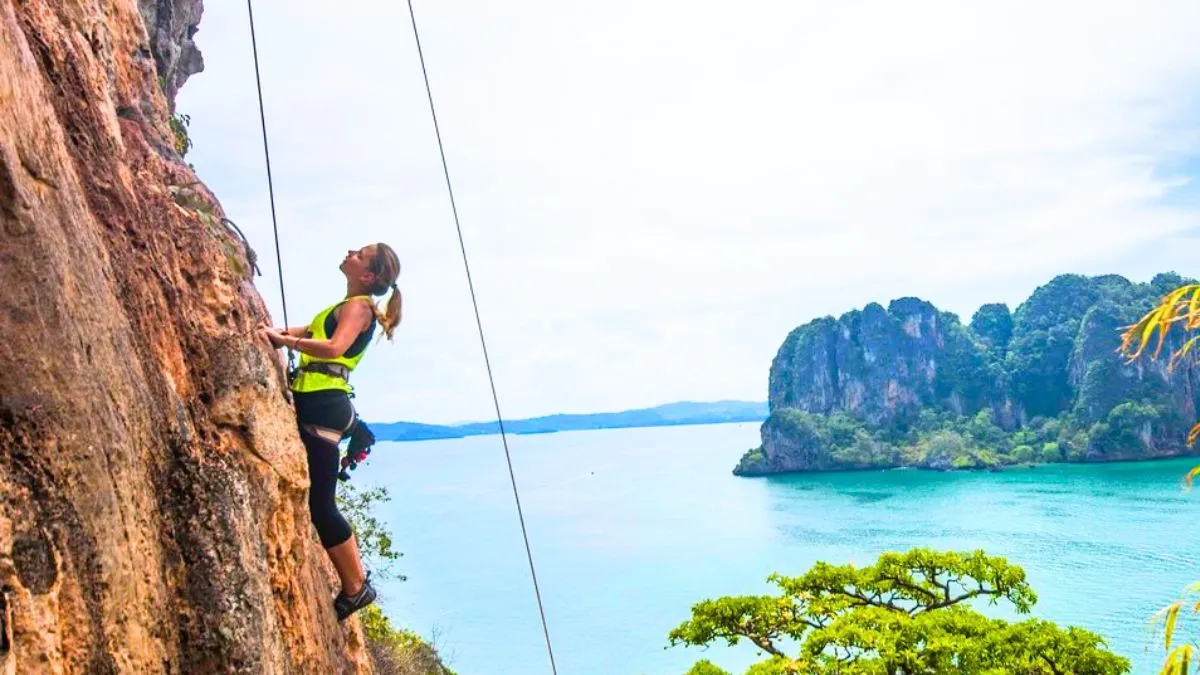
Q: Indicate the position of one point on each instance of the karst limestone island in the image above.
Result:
(911, 386)
(153, 514)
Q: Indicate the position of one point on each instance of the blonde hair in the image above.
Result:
(386, 268)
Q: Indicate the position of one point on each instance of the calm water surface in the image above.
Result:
(629, 527)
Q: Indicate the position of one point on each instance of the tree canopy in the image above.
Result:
(907, 613)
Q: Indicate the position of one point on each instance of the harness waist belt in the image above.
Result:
(333, 369)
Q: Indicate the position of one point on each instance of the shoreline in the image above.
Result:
(1024, 466)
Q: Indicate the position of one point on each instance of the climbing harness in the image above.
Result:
(361, 440)
(337, 370)
(470, 285)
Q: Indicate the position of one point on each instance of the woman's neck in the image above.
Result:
(355, 289)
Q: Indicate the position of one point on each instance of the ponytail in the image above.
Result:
(391, 315)
(386, 266)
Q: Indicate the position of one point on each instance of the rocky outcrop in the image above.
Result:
(152, 486)
(881, 366)
(912, 386)
(170, 27)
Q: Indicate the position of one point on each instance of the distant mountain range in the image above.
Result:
(671, 414)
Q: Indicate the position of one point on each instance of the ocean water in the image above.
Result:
(630, 527)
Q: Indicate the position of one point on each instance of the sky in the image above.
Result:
(653, 194)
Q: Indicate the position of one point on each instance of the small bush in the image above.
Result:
(398, 652)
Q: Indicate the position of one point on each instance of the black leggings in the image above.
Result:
(330, 409)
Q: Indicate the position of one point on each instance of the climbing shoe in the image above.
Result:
(347, 605)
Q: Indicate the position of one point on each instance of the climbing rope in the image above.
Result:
(470, 284)
(482, 340)
(262, 116)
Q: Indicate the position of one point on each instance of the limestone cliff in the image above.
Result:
(170, 27)
(881, 366)
(152, 487)
(912, 386)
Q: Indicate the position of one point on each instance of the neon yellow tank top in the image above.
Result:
(306, 381)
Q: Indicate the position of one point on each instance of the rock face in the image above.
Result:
(152, 486)
(912, 386)
(171, 25)
(881, 366)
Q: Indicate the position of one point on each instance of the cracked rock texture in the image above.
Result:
(170, 26)
(153, 516)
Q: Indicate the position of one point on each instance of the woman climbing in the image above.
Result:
(330, 347)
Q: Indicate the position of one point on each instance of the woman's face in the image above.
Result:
(357, 265)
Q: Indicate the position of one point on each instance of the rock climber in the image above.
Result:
(330, 347)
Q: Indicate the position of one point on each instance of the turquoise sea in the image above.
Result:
(629, 527)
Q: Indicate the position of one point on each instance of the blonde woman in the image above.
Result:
(330, 347)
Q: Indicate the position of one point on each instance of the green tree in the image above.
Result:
(394, 651)
(706, 667)
(1043, 337)
(984, 431)
(908, 613)
(374, 540)
(1022, 454)
(993, 323)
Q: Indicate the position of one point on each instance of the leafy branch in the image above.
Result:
(179, 127)
(374, 540)
(1179, 309)
(907, 613)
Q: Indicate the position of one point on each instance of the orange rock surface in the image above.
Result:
(153, 514)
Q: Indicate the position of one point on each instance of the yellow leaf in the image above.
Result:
(1191, 439)
(1163, 327)
(1177, 294)
(1171, 667)
(1188, 479)
(1177, 661)
(1183, 352)
(1146, 325)
(1152, 321)
(1172, 615)
(1174, 307)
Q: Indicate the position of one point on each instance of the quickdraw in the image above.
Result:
(361, 440)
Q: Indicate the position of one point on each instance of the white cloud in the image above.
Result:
(654, 193)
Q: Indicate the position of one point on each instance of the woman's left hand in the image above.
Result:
(272, 337)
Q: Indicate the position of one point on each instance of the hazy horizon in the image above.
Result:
(507, 418)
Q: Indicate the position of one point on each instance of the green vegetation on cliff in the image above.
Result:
(907, 613)
(912, 386)
(394, 651)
